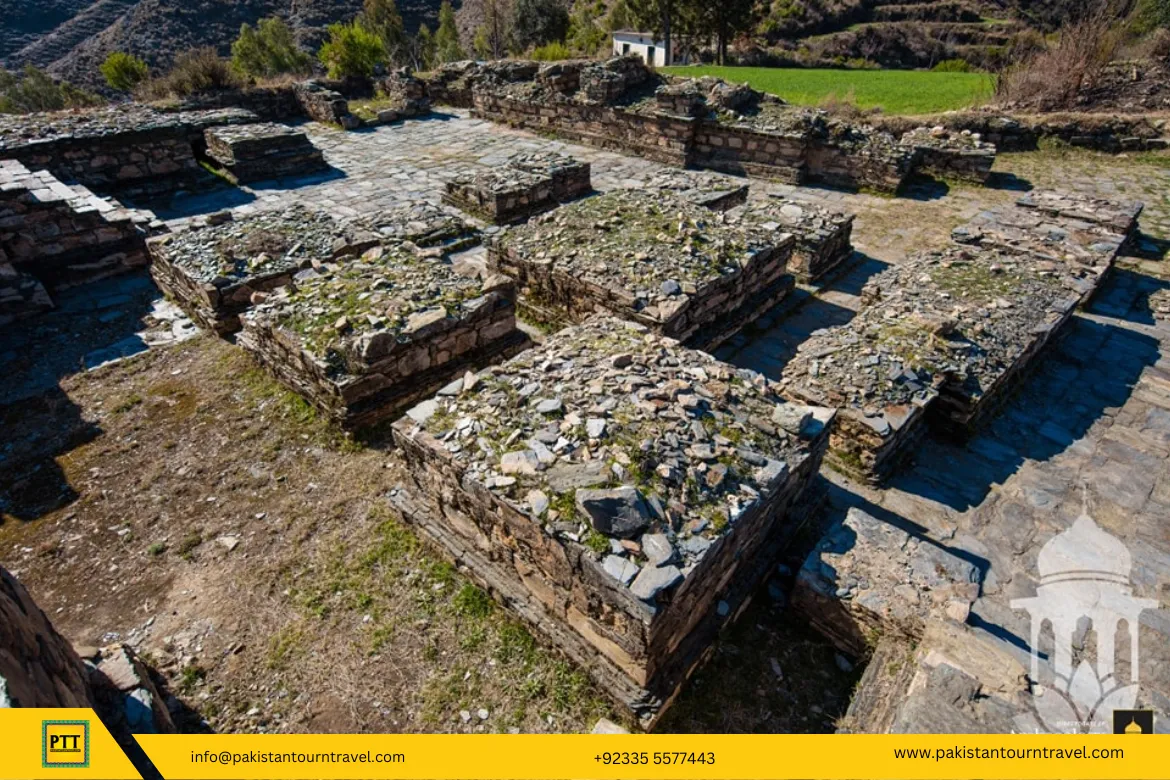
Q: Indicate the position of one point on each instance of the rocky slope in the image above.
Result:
(70, 38)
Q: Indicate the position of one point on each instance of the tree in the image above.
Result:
(424, 50)
(269, 50)
(352, 50)
(382, 17)
(722, 21)
(537, 22)
(492, 22)
(658, 15)
(33, 90)
(124, 72)
(585, 32)
(447, 48)
(619, 17)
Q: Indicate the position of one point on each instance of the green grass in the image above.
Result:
(893, 91)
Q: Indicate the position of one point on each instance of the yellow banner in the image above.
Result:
(751, 757)
(60, 743)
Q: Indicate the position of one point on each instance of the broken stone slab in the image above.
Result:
(1118, 216)
(823, 237)
(695, 540)
(714, 191)
(656, 259)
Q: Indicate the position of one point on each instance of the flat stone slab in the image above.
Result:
(869, 578)
(422, 228)
(1119, 216)
(527, 184)
(571, 178)
(364, 338)
(630, 474)
(654, 258)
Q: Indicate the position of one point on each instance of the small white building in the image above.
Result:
(653, 52)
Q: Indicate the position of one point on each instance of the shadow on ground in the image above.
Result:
(1093, 369)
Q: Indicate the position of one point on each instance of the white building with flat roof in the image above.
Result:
(652, 51)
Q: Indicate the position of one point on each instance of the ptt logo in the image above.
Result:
(65, 744)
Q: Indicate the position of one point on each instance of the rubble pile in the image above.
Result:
(709, 190)
(218, 271)
(257, 152)
(527, 184)
(654, 258)
(364, 338)
(62, 234)
(421, 227)
(942, 337)
(870, 578)
(618, 490)
(947, 154)
(823, 237)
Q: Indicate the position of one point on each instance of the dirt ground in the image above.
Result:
(184, 503)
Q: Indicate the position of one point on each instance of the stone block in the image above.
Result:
(247, 153)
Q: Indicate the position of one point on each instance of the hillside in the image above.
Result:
(70, 38)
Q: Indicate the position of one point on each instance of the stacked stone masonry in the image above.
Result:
(942, 338)
(650, 257)
(365, 338)
(131, 148)
(823, 237)
(962, 156)
(527, 184)
(1058, 230)
(707, 123)
(53, 235)
(868, 578)
(257, 152)
(617, 490)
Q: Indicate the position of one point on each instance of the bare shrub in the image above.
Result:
(194, 72)
(845, 107)
(1051, 79)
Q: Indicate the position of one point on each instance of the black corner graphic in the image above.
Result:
(1133, 721)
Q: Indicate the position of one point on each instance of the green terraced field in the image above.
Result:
(893, 91)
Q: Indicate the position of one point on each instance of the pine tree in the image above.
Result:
(382, 18)
(447, 48)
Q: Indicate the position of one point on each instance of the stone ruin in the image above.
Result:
(39, 668)
(709, 190)
(527, 184)
(55, 235)
(653, 258)
(622, 105)
(421, 228)
(962, 156)
(823, 237)
(618, 491)
(248, 153)
(363, 339)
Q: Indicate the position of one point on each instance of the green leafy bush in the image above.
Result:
(33, 90)
(124, 72)
(447, 48)
(551, 52)
(269, 50)
(959, 65)
(352, 50)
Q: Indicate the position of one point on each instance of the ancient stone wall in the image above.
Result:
(1103, 133)
(38, 667)
(630, 580)
(63, 235)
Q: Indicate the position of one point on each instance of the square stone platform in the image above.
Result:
(528, 184)
(654, 258)
(215, 271)
(571, 178)
(256, 152)
(620, 492)
(365, 338)
(949, 154)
